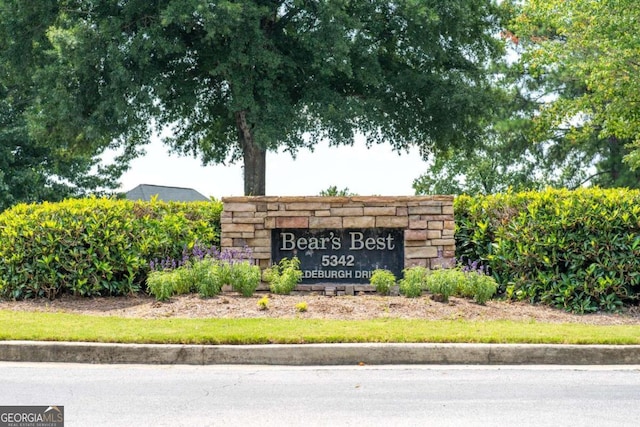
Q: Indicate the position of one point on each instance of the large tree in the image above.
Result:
(504, 158)
(233, 79)
(518, 153)
(593, 46)
(32, 172)
(38, 169)
(570, 115)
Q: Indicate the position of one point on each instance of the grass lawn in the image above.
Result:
(18, 325)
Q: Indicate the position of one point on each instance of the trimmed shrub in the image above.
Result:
(444, 283)
(161, 284)
(577, 250)
(414, 281)
(244, 277)
(284, 276)
(205, 276)
(478, 286)
(94, 246)
(383, 281)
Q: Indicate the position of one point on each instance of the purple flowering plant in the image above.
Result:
(204, 270)
(200, 252)
(472, 266)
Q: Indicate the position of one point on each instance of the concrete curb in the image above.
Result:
(320, 354)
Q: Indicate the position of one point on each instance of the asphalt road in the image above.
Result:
(233, 395)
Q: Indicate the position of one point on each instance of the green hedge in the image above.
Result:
(579, 250)
(96, 246)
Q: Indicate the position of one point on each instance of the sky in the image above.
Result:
(375, 171)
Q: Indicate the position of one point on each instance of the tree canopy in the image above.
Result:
(34, 168)
(569, 115)
(32, 172)
(594, 47)
(232, 79)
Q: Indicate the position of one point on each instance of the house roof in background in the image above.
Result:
(164, 193)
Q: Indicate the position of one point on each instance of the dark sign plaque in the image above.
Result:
(340, 255)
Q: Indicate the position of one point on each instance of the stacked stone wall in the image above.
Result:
(428, 222)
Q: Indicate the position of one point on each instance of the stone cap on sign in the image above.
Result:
(338, 199)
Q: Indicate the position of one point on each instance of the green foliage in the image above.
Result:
(302, 307)
(504, 159)
(37, 173)
(95, 246)
(563, 118)
(382, 280)
(576, 250)
(413, 282)
(183, 281)
(263, 303)
(161, 284)
(235, 79)
(200, 276)
(478, 286)
(244, 277)
(581, 57)
(202, 269)
(333, 191)
(40, 169)
(284, 276)
(477, 220)
(444, 283)
(447, 282)
(206, 276)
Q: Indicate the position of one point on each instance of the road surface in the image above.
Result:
(223, 395)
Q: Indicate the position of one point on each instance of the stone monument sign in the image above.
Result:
(342, 240)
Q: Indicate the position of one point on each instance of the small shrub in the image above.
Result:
(414, 281)
(383, 280)
(161, 284)
(284, 276)
(444, 283)
(183, 280)
(301, 307)
(206, 270)
(478, 286)
(263, 303)
(207, 278)
(224, 273)
(244, 277)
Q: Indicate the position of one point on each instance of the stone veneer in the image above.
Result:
(428, 222)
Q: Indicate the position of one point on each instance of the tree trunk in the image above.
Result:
(254, 156)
